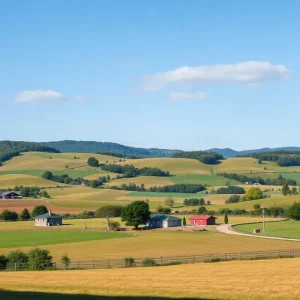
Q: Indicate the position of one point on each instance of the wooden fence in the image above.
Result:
(164, 260)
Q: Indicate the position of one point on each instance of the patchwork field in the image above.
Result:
(230, 280)
(25, 180)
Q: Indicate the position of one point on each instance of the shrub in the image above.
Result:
(8, 215)
(3, 262)
(233, 199)
(202, 210)
(253, 194)
(39, 259)
(115, 225)
(294, 211)
(163, 210)
(129, 262)
(17, 256)
(230, 190)
(184, 221)
(148, 262)
(93, 162)
(65, 260)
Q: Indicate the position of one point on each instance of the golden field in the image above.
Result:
(240, 280)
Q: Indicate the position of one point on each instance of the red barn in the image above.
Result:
(202, 220)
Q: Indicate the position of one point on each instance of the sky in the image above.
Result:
(172, 74)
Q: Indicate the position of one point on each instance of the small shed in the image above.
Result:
(202, 220)
(48, 219)
(164, 221)
(10, 195)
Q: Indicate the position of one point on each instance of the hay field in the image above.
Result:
(239, 280)
(10, 181)
(42, 161)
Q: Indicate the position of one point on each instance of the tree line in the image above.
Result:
(203, 156)
(195, 202)
(279, 180)
(283, 158)
(178, 188)
(64, 178)
(129, 171)
(230, 190)
(120, 155)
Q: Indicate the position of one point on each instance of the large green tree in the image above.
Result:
(39, 210)
(25, 215)
(93, 162)
(136, 213)
(285, 190)
(294, 211)
(8, 215)
(253, 194)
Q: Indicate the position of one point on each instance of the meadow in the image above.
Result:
(289, 228)
(239, 280)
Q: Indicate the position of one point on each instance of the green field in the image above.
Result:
(50, 237)
(289, 228)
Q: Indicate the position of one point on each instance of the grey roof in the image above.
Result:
(164, 218)
(48, 216)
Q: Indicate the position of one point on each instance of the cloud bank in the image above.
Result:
(187, 96)
(249, 73)
(38, 96)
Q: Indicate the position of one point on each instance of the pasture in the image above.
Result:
(10, 181)
(289, 228)
(228, 280)
(50, 237)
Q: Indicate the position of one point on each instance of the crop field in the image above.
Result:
(10, 239)
(289, 228)
(230, 280)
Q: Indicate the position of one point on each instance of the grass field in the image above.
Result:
(50, 237)
(289, 228)
(239, 280)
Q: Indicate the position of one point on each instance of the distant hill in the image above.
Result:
(227, 152)
(94, 147)
(9, 146)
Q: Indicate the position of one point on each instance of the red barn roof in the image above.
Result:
(201, 217)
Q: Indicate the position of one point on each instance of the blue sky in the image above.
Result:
(170, 74)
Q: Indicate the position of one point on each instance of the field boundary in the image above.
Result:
(162, 260)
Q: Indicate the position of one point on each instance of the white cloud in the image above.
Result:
(38, 96)
(187, 96)
(251, 73)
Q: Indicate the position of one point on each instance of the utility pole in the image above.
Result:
(263, 216)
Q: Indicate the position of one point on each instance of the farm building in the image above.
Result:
(48, 219)
(164, 221)
(202, 220)
(10, 195)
